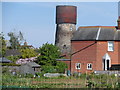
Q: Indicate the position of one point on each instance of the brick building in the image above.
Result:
(87, 49)
(95, 48)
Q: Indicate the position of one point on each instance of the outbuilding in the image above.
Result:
(29, 68)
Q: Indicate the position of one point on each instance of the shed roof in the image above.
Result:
(4, 60)
(33, 64)
(106, 33)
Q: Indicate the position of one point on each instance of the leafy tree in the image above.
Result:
(49, 54)
(2, 44)
(27, 53)
(15, 40)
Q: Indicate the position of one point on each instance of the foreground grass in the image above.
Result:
(83, 81)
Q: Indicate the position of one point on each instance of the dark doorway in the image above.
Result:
(104, 64)
(107, 64)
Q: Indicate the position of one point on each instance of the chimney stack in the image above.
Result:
(118, 22)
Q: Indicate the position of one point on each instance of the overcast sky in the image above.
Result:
(36, 20)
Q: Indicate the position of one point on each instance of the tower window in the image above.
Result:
(110, 46)
(64, 47)
(78, 65)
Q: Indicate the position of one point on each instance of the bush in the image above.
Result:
(9, 64)
(76, 74)
(61, 66)
(48, 69)
(29, 75)
(13, 58)
(5, 70)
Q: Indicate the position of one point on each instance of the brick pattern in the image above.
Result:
(87, 55)
(93, 54)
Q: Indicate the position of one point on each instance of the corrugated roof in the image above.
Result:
(97, 33)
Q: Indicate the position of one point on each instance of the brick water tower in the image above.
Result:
(65, 27)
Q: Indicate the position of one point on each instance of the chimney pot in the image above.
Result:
(118, 22)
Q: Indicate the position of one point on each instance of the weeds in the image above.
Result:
(82, 81)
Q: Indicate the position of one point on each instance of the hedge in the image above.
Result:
(9, 64)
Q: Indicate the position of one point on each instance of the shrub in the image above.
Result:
(9, 64)
(13, 58)
(29, 75)
(61, 66)
(5, 70)
(48, 69)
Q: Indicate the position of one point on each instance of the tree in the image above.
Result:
(20, 37)
(48, 54)
(2, 44)
(47, 59)
(15, 40)
(27, 53)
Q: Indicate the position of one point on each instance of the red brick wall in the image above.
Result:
(102, 49)
(85, 56)
(93, 54)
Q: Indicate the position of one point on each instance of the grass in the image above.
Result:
(91, 81)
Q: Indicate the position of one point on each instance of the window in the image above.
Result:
(64, 47)
(89, 66)
(78, 65)
(71, 28)
(110, 46)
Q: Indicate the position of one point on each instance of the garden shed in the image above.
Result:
(5, 60)
(29, 68)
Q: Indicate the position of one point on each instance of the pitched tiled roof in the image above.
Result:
(97, 33)
(117, 36)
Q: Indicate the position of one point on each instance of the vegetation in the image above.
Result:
(9, 64)
(2, 45)
(13, 58)
(95, 81)
(15, 39)
(61, 66)
(48, 69)
(48, 55)
(27, 53)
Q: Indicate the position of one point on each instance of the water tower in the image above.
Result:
(65, 27)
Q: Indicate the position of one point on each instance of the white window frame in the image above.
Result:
(77, 65)
(88, 66)
(110, 46)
